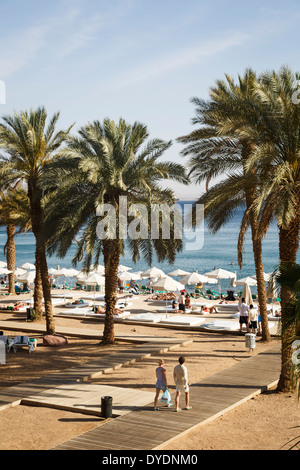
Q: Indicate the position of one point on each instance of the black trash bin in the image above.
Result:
(106, 407)
(29, 313)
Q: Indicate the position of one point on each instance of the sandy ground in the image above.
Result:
(269, 421)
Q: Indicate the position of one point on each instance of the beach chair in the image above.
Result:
(21, 342)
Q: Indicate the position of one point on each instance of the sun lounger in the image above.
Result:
(170, 309)
(182, 320)
(77, 305)
(147, 317)
(221, 325)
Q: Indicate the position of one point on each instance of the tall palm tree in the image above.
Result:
(216, 148)
(105, 163)
(278, 135)
(29, 145)
(14, 214)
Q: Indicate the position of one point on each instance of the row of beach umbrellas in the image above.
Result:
(159, 280)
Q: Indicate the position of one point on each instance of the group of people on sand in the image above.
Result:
(180, 376)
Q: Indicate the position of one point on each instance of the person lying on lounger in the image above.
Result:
(206, 309)
(100, 309)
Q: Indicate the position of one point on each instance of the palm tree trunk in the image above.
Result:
(251, 195)
(42, 276)
(111, 254)
(11, 256)
(288, 248)
(41, 255)
(38, 290)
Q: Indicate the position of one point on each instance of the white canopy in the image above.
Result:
(27, 266)
(4, 271)
(179, 272)
(153, 272)
(196, 278)
(246, 280)
(220, 274)
(167, 283)
(94, 279)
(29, 277)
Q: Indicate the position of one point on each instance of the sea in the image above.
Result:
(202, 251)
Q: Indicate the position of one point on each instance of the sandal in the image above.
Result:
(156, 409)
(179, 409)
(188, 407)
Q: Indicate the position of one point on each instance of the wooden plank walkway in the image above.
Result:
(54, 385)
(144, 429)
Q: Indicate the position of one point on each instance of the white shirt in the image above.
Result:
(244, 309)
(180, 374)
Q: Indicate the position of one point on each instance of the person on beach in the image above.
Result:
(181, 302)
(253, 319)
(161, 382)
(187, 301)
(244, 313)
(180, 376)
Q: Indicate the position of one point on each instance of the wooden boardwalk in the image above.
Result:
(144, 429)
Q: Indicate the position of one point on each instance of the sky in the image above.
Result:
(139, 60)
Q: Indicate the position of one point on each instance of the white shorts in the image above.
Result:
(180, 387)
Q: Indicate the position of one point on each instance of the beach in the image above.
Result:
(208, 353)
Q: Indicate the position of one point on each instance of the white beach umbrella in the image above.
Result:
(272, 291)
(4, 271)
(250, 281)
(3, 264)
(27, 266)
(99, 270)
(266, 277)
(247, 295)
(233, 280)
(123, 268)
(220, 274)
(179, 272)
(19, 271)
(28, 276)
(167, 283)
(52, 271)
(196, 278)
(94, 279)
(153, 272)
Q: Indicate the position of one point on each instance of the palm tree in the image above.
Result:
(14, 213)
(278, 135)
(103, 165)
(28, 148)
(216, 148)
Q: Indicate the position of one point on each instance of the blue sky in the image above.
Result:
(135, 59)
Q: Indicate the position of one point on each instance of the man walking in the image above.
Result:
(181, 381)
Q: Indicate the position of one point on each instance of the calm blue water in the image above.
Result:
(218, 250)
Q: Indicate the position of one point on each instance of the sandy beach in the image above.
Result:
(209, 353)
